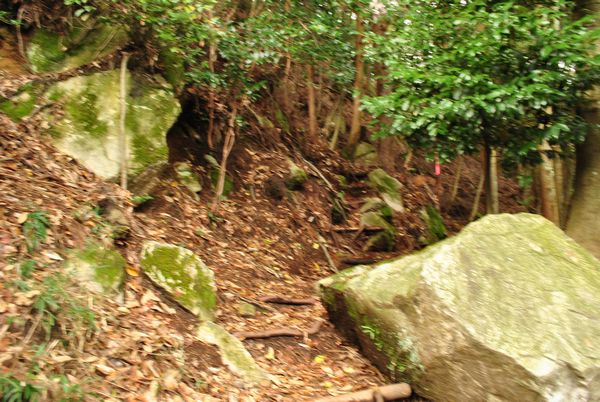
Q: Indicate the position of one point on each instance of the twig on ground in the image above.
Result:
(385, 393)
(326, 252)
(285, 331)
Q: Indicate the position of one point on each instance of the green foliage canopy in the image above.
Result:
(464, 73)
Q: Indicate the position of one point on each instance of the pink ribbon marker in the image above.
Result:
(438, 167)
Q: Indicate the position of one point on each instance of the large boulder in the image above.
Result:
(508, 310)
(183, 275)
(88, 129)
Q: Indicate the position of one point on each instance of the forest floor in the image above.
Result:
(144, 348)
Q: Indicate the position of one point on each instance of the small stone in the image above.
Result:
(246, 310)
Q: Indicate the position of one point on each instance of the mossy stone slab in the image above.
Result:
(86, 42)
(97, 268)
(233, 353)
(88, 128)
(183, 275)
(507, 310)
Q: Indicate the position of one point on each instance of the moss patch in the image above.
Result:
(98, 268)
(22, 104)
(181, 273)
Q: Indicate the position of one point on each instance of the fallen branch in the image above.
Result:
(285, 331)
(385, 393)
(284, 300)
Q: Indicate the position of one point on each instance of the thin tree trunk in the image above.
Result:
(122, 134)
(548, 193)
(286, 82)
(491, 179)
(358, 84)
(212, 56)
(312, 112)
(227, 146)
(461, 162)
(494, 181)
(475, 208)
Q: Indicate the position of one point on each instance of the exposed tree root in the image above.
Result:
(284, 300)
(284, 331)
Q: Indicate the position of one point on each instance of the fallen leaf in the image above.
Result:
(270, 354)
(132, 271)
(104, 370)
(53, 256)
(319, 359)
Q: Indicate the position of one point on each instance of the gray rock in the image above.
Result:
(508, 310)
(389, 189)
(183, 275)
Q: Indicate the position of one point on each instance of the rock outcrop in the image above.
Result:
(88, 128)
(508, 310)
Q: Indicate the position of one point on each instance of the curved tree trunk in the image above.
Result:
(358, 85)
(583, 223)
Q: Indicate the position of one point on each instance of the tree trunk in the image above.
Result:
(227, 146)
(358, 84)
(583, 223)
(490, 170)
(547, 184)
(312, 111)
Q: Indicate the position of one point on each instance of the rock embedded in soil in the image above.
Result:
(183, 275)
(98, 269)
(507, 310)
(234, 354)
(389, 188)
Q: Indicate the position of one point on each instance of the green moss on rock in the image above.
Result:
(181, 273)
(98, 268)
(22, 104)
(52, 52)
(88, 129)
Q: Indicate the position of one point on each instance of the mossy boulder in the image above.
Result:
(507, 310)
(233, 353)
(86, 42)
(183, 275)
(97, 268)
(389, 188)
(88, 128)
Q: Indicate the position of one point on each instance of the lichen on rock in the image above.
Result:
(183, 275)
